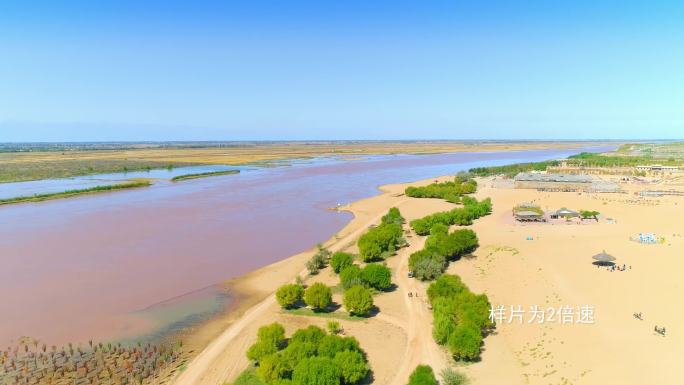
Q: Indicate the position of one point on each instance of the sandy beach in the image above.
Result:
(552, 269)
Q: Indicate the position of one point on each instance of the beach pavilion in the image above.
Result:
(564, 213)
(604, 259)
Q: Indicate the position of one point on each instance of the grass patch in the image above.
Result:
(304, 311)
(203, 175)
(71, 193)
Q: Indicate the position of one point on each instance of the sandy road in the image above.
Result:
(202, 370)
(421, 347)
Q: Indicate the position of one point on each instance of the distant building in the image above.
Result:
(559, 182)
(656, 167)
(563, 182)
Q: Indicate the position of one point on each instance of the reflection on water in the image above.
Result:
(81, 268)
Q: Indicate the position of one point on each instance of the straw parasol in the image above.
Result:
(603, 257)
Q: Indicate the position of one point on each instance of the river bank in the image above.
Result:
(545, 264)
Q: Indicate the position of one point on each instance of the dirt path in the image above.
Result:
(421, 347)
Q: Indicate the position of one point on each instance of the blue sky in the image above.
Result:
(203, 70)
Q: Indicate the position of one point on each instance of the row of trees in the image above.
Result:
(512, 170)
(463, 216)
(450, 191)
(383, 240)
(440, 248)
(309, 357)
(358, 299)
(461, 318)
(317, 296)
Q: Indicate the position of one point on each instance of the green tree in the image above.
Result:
(393, 216)
(341, 260)
(269, 339)
(272, 368)
(248, 377)
(351, 276)
(377, 276)
(352, 365)
(289, 295)
(318, 296)
(316, 371)
(358, 300)
(422, 375)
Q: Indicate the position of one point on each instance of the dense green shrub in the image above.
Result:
(340, 260)
(352, 366)
(351, 276)
(462, 216)
(358, 300)
(333, 327)
(310, 357)
(318, 296)
(248, 377)
(393, 216)
(440, 247)
(377, 276)
(289, 295)
(380, 242)
(269, 339)
(422, 375)
(461, 318)
(450, 191)
(316, 371)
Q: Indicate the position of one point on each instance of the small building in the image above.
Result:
(564, 213)
(528, 216)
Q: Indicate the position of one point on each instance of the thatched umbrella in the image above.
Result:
(604, 258)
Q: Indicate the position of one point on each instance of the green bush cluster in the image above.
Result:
(288, 295)
(310, 357)
(382, 241)
(441, 247)
(422, 375)
(462, 216)
(450, 191)
(461, 318)
(358, 300)
(341, 260)
(373, 275)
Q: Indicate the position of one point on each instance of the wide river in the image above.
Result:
(92, 266)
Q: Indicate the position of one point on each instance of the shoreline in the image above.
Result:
(253, 292)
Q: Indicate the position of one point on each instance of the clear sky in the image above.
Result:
(204, 70)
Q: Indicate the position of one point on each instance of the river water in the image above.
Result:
(92, 266)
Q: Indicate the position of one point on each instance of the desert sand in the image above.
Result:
(552, 269)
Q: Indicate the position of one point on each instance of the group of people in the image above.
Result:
(619, 268)
(411, 295)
